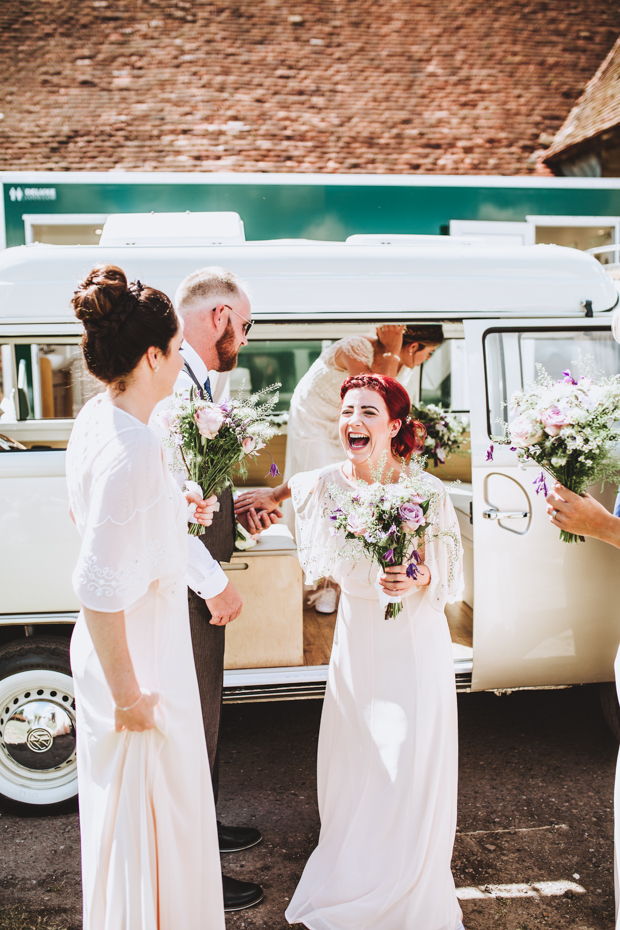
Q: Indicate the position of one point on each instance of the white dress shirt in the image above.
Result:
(204, 575)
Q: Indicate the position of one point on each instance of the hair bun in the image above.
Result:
(103, 300)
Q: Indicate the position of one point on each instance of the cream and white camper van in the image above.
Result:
(535, 613)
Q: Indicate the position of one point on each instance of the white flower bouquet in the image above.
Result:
(211, 440)
(444, 431)
(390, 523)
(570, 428)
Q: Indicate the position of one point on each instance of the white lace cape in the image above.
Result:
(357, 347)
(126, 509)
(320, 552)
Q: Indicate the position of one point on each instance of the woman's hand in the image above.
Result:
(391, 336)
(582, 515)
(396, 582)
(204, 508)
(138, 718)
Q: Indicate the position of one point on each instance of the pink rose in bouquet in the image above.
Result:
(248, 444)
(356, 525)
(209, 421)
(524, 431)
(412, 516)
(554, 418)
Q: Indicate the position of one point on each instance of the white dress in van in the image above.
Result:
(312, 429)
(388, 751)
(150, 858)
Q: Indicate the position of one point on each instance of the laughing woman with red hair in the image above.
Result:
(387, 758)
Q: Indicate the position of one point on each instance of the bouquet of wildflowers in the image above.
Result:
(569, 427)
(390, 523)
(211, 441)
(444, 431)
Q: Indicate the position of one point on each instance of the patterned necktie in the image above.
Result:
(208, 389)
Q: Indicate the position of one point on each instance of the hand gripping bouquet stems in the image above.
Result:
(570, 428)
(390, 523)
(211, 441)
(444, 431)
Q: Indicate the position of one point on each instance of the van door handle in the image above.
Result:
(494, 514)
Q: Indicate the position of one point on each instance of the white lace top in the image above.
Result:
(319, 551)
(129, 512)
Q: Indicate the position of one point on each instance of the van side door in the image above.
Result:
(545, 612)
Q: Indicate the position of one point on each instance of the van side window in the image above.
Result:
(512, 358)
(265, 362)
(444, 377)
(43, 386)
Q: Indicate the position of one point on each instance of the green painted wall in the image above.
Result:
(317, 211)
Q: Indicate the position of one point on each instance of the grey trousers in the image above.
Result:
(208, 643)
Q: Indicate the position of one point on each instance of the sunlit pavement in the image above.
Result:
(534, 846)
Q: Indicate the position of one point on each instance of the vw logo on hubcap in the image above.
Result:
(39, 740)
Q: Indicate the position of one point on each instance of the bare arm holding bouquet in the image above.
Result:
(582, 515)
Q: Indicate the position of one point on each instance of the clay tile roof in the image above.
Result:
(372, 86)
(597, 110)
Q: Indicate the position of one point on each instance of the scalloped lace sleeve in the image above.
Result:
(316, 547)
(444, 557)
(357, 347)
(127, 516)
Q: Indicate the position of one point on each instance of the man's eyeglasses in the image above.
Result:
(247, 324)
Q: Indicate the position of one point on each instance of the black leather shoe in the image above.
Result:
(239, 895)
(234, 839)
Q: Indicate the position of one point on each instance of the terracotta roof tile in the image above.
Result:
(597, 109)
(354, 86)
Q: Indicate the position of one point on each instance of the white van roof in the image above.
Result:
(338, 281)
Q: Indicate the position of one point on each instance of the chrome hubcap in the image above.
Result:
(39, 734)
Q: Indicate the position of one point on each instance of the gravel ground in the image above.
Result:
(535, 806)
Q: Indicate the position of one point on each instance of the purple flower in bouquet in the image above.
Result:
(389, 556)
(274, 471)
(412, 570)
(540, 484)
(489, 455)
(439, 454)
(412, 516)
(567, 379)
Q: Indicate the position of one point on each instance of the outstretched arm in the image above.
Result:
(582, 515)
(262, 499)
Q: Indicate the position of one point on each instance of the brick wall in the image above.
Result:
(391, 86)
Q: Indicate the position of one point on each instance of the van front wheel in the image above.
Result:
(611, 708)
(37, 722)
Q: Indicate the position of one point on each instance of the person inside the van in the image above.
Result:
(312, 428)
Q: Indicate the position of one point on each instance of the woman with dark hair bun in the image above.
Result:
(150, 857)
(388, 748)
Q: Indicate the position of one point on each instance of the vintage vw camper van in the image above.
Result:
(535, 612)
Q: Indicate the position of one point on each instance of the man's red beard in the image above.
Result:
(227, 349)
